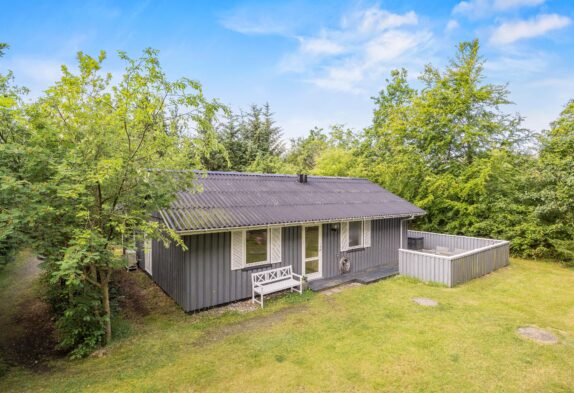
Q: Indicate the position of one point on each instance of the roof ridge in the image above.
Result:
(283, 175)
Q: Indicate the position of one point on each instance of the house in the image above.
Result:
(325, 228)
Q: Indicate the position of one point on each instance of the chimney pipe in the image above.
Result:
(302, 178)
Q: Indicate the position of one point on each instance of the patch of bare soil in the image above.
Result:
(27, 335)
(340, 288)
(31, 340)
(132, 294)
(219, 333)
(100, 353)
(538, 335)
(241, 307)
(138, 296)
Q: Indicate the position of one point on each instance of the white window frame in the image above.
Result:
(148, 253)
(267, 260)
(362, 234)
(319, 274)
(239, 247)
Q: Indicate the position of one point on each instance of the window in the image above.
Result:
(256, 246)
(355, 234)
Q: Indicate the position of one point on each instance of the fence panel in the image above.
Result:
(482, 256)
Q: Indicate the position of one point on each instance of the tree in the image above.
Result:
(13, 186)
(337, 161)
(269, 164)
(209, 151)
(302, 155)
(556, 183)
(388, 147)
(271, 142)
(309, 154)
(260, 134)
(229, 133)
(451, 149)
(458, 118)
(250, 141)
(106, 156)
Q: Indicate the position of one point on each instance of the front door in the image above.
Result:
(312, 252)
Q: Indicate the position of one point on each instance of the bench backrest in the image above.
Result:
(272, 275)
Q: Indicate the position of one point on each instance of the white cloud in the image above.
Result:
(391, 45)
(510, 32)
(452, 25)
(262, 25)
(375, 19)
(320, 46)
(37, 74)
(482, 8)
(342, 78)
(510, 4)
(541, 100)
(366, 43)
(349, 57)
(473, 8)
(517, 65)
(264, 19)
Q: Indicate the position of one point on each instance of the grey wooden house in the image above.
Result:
(325, 228)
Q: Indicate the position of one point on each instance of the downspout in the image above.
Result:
(402, 231)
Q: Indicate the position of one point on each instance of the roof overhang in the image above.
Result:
(295, 223)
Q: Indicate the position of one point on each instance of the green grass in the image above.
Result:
(367, 338)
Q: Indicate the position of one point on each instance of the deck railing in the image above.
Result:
(481, 256)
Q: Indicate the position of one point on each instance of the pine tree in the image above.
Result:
(260, 135)
(271, 133)
(230, 137)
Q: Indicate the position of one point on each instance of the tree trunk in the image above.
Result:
(93, 273)
(105, 281)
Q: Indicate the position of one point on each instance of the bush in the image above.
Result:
(3, 368)
(81, 330)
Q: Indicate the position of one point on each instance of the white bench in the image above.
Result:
(274, 280)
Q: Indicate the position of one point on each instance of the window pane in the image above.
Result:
(256, 246)
(311, 242)
(312, 266)
(355, 233)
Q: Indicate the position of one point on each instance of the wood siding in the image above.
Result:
(384, 250)
(201, 277)
(171, 271)
(487, 256)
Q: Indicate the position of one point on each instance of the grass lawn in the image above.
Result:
(366, 338)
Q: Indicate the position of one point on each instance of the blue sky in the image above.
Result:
(316, 62)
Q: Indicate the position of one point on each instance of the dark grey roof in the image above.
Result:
(231, 200)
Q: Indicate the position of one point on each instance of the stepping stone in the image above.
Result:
(541, 336)
(424, 301)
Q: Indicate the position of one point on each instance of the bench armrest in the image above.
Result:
(299, 277)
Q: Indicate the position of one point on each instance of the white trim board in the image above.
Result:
(295, 224)
(319, 257)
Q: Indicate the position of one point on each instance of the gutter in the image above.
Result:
(290, 224)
